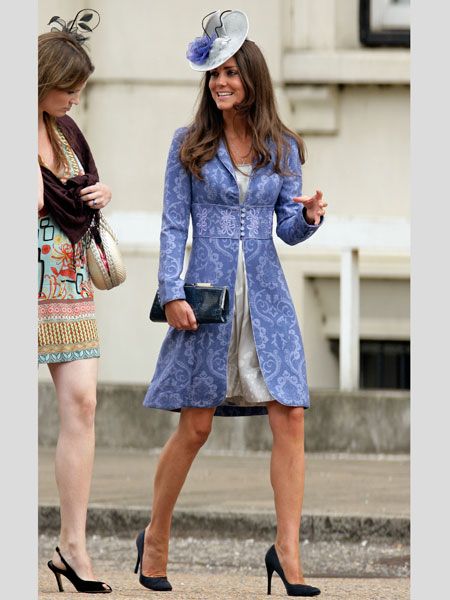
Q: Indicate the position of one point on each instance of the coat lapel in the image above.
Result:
(224, 157)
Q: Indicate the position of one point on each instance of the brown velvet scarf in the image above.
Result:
(62, 200)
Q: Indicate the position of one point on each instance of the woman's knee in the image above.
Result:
(80, 408)
(296, 416)
(199, 435)
(76, 390)
(290, 421)
(196, 429)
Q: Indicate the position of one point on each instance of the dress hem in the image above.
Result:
(61, 357)
(223, 410)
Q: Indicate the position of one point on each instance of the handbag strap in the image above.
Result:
(104, 224)
(98, 224)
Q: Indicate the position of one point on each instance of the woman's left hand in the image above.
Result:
(97, 196)
(314, 205)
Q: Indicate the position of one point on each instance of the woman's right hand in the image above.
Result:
(180, 315)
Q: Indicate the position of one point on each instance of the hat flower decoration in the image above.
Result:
(198, 50)
(224, 33)
(78, 26)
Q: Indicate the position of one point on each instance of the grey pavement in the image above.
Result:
(229, 586)
(224, 569)
(221, 554)
(354, 539)
(335, 483)
(346, 496)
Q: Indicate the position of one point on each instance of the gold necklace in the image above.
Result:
(237, 158)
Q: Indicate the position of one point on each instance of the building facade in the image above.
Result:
(350, 102)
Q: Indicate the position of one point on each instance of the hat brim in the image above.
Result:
(237, 27)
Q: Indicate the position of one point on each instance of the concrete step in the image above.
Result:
(347, 498)
(125, 522)
(360, 422)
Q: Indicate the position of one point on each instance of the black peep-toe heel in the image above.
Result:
(292, 589)
(81, 585)
(157, 584)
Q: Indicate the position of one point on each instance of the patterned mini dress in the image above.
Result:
(67, 328)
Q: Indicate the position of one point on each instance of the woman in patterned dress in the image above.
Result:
(230, 171)
(69, 196)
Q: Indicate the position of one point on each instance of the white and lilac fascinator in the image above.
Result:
(223, 35)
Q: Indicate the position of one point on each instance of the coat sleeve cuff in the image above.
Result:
(308, 225)
(169, 292)
(302, 229)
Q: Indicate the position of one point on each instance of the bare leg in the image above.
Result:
(75, 384)
(287, 475)
(173, 466)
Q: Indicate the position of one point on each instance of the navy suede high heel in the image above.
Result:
(157, 584)
(292, 589)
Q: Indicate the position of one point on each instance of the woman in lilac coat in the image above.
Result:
(230, 172)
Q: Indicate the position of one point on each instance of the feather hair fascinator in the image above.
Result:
(223, 34)
(79, 26)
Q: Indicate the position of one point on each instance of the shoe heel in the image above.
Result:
(136, 568)
(269, 579)
(58, 581)
(52, 568)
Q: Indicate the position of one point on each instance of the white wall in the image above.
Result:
(351, 104)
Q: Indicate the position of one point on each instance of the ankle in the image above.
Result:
(157, 539)
(286, 547)
(72, 548)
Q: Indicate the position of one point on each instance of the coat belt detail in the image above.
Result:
(233, 222)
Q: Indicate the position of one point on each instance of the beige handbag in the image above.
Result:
(104, 260)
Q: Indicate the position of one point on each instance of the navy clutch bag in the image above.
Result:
(210, 303)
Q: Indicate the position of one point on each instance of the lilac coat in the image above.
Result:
(191, 370)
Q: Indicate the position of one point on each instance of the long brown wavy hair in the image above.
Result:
(64, 65)
(259, 107)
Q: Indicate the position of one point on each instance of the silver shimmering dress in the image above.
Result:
(245, 382)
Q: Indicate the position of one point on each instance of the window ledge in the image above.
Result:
(381, 328)
(384, 66)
